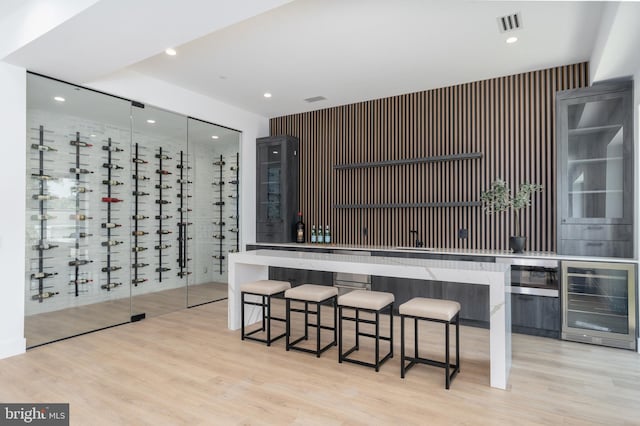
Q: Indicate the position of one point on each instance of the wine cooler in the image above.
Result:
(599, 303)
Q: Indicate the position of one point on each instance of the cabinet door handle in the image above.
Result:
(594, 244)
(594, 227)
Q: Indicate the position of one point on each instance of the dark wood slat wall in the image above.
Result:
(511, 120)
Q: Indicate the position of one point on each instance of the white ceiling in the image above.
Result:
(345, 50)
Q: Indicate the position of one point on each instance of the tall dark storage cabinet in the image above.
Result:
(277, 188)
(595, 170)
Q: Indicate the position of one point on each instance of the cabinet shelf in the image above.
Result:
(594, 160)
(609, 277)
(594, 129)
(597, 191)
(601, 296)
(582, 311)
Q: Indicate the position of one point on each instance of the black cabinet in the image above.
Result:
(595, 170)
(535, 315)
(277, 188)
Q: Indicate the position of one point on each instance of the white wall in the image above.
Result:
(159, 93)
(12, 226)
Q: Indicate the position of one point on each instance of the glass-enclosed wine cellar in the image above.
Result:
(131, 210)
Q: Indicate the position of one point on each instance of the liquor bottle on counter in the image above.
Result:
(45, 295)
(300, 229)
(327, 235)
(320, 237)
(314, 239)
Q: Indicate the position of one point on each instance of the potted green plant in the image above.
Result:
(498, 198)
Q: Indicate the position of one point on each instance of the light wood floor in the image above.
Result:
(188, 368)
(51, 326)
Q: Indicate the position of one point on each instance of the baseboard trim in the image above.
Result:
(12, 347)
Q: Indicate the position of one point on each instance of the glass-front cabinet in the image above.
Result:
(131, 210)
(277, 197)
(595, 171)
(599, 303)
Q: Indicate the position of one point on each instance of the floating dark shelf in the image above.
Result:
(408, 205)
(434, 159)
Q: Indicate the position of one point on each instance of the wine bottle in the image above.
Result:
(139, 193)
(139, 217)
(184, 196)
(163, 202)
(233, 168)
(235, 230)
(138, 249)
(45, 295)
(219, 223)
(111, 268)
(218, 237)
(140, 161)
(163, 186)
(80, 143)
(162, 246)
(140, 177)
(41, 177)
(79, 171)
(233, 182)
(185, 239)
(81, 189)
(319, 236)
(42, 217)
(137, 281)
(180, 260)
(219, 163)
(217, 183)
(112, 182)
(42, 147)
(184, 223)
(112, 148)
(38, 275)
(299, 228)
(112, 166)
(139, 233)
(183, 273)
(110, 225)
(79, 262)
(80, 281)
(163, 157)
(163, 232)
(164, 216)
(182, 166)
(139, 265)
(80, 235)
(219, 203)
(44, 197)
(314, 239)
(163, 172)
(233, 196)
(45, 246)
(110, 286)
(111, 200)
(327, 235)
(219, 257)
(233, 217)
(183, 210)
(232, 251)
(162, 269)
(110, 243)
(80, 217)
(183, 181)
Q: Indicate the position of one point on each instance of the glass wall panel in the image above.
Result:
(215, 208)
(77, 258)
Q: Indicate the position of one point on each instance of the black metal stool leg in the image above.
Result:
(335, 321)
(458, 342)
(288, 323)
(340, 336)
(242, 314)
(306, 320)
(415, 337)
(402, 346)
(264, 313)
(446, 356)
(391, 329)
(268, 313)
(377, 340)
(318, 329)
(357, 328)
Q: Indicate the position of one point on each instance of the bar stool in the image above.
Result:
(372, 302)
(435, 310)
(266, 289)
(317, 295)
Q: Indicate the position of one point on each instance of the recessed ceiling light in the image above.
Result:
(267, 95)
(512, 40)
(171, 52)
(151, 121)
(215, 137)
(59, 99)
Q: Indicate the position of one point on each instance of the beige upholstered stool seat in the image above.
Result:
(374, 300)
(311, 292)
(422, 307)
(265, 287)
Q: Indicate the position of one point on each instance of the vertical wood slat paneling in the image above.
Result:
(511, 120)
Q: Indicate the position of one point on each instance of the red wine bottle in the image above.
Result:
(300, 229)
(111, 200)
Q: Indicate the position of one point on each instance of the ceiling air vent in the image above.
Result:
(315, 99)
(510, 22)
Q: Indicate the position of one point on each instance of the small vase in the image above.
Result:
(517, 244)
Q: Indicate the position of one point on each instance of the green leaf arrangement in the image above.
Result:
(498, 198)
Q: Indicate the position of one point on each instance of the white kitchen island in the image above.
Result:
(254, 265)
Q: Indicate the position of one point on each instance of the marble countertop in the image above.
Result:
(459, 252)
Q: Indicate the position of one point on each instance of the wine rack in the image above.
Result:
(235, 185)
(219, 185)
(80, 217)
(42, 217)
(110, 226)
(161, 201)
(137, 231)
(183, 234)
